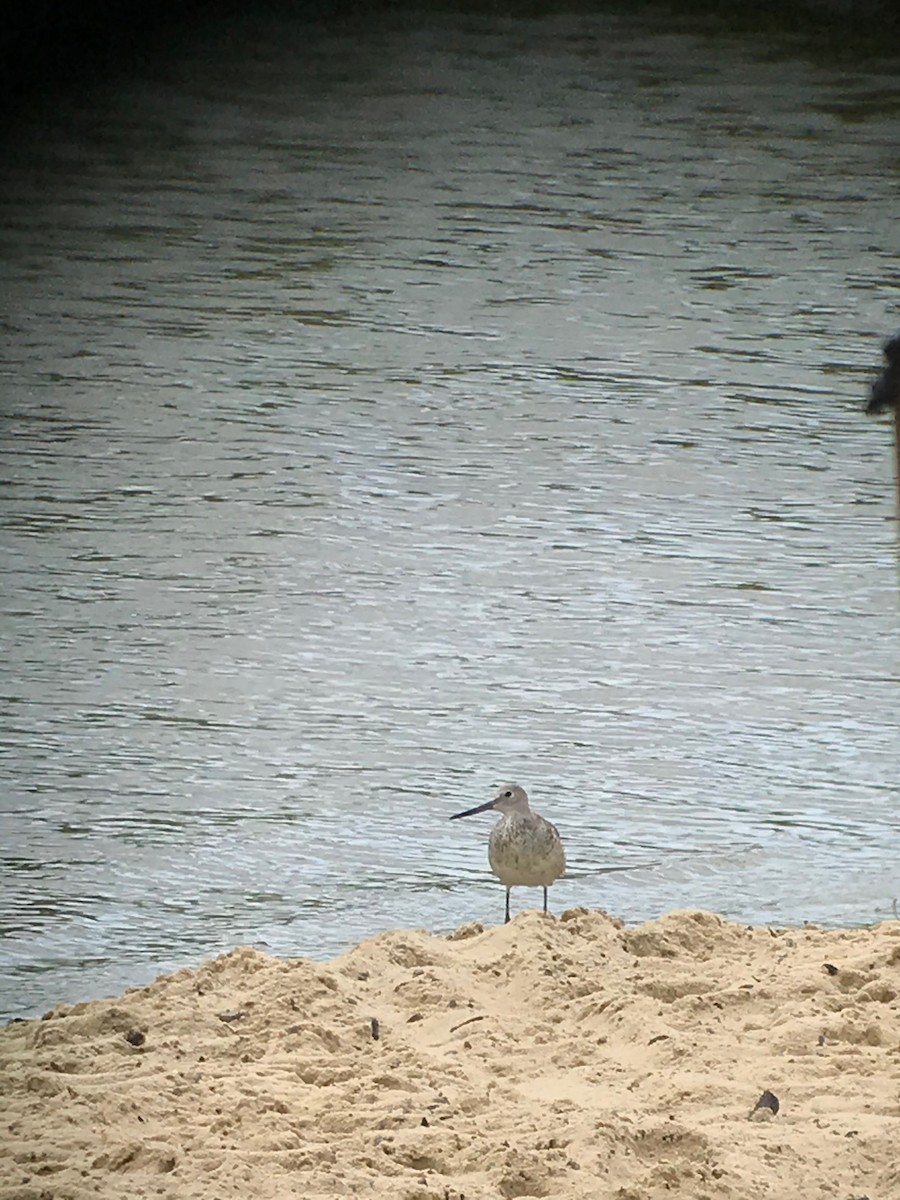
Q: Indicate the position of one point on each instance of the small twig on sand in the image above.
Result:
(453, 1028)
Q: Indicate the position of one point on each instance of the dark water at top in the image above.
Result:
(390, 410)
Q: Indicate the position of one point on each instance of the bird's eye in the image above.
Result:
(507, 795)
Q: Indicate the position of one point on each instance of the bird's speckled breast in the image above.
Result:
(526, 851)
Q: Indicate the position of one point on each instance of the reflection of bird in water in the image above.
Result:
(524, 850)
(885, 394)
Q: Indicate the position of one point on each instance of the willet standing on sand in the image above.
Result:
(524, 850)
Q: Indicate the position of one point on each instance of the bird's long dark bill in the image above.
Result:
(470, 812)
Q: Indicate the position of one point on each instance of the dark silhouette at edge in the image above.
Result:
(885, 391)
(884, 396)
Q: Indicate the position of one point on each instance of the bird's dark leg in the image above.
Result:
(545, 902)
(506, 922)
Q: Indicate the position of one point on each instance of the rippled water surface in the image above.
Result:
(394, 409)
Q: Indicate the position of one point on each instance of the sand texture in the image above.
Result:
(569, 1058)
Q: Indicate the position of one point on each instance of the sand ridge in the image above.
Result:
(569, 1057)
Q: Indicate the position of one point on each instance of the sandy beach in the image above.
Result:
(569, 1057)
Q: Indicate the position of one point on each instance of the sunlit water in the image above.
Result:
(393, 410)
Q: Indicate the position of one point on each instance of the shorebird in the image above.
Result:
(524, 850)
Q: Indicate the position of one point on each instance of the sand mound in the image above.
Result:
(568, 1058)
